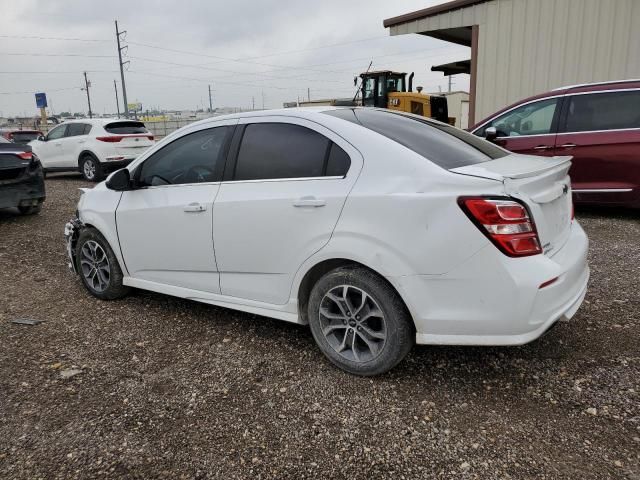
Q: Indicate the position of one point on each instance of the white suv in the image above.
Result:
(376, 228)
(95, 147)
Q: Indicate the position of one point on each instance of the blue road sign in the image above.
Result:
(41, 100)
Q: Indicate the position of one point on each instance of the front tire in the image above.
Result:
(98, 267)
(91, 169)
(359, 321)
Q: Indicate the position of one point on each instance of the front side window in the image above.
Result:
(369, 90)
(280, 150)
(193, 158)
(57, 132)
(531, 119)
(75, 129)
(603, 111)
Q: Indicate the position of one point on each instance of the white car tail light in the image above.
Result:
(505, 222)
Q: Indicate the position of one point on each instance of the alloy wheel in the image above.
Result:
(353, 323)
(95, 266)
(89, 169)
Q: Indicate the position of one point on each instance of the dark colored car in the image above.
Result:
(21, 178)
(598, 124)
(21, 136)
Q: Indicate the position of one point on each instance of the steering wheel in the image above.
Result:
(198, 174)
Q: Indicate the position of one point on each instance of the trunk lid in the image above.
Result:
(133, 144)
(542, 183)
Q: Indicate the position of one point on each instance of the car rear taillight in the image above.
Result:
(25, 155)
(505, 222)
(110, 138)
(150, 137)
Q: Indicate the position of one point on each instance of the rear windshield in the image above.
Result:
(446, 146)
(24, 137)
(126, 128)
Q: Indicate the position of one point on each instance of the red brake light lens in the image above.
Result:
(150, 137)
(506, 223)
(26, 155)
(110, 138)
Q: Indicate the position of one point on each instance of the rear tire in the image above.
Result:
(359, 321)
(30, 210)
(91, 168)
(98, 266)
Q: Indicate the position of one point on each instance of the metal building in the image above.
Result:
(523, 47)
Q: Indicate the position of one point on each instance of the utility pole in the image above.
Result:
(115, 88)
(308, 94)
(87, 84)
(210, 102)
(253, 103)
(124, 88)
(263, 99)
(449, 83)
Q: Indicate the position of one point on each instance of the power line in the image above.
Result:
(35, 91)
(55, 55)
(37, 37)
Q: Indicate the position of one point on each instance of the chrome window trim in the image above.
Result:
(270, 180)
(595, 84)
(596, 131)
(558, 96)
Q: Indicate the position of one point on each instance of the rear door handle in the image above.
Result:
(568, 145)
(309, 202)
(542, 147)
(194, 207)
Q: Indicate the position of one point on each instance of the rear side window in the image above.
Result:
(603, 111)
(280, 150)
(87, 129)
(75, 129)
(126, 128)
(338, 162)
(444, 145)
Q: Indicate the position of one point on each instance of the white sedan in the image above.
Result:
(378, 229)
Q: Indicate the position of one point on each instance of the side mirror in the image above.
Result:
(490, 133)
(42, 138)
(120, 181)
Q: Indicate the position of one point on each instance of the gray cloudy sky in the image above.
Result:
(262, 49)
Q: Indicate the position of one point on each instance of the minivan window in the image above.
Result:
(75, 129)
(603, 111)
(444, 145)
(193, 158)
(126, 128)
(280, 150)
(534, 118)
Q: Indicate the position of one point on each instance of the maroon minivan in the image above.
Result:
(598, 124)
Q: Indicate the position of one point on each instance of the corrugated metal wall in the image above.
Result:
(531, 46)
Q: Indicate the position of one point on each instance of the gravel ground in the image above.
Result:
(157, 387)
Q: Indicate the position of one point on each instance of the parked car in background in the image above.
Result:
(95, 147)
(597, 124)
(20, 135)
(377, 228)
(21, 178)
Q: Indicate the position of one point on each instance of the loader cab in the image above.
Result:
(376, 87)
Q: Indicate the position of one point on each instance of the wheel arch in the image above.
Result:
(316, 271)
(85, 153)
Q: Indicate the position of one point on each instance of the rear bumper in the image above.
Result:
(25, 191)
(495, 300)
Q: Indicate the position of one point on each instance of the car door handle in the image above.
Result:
(568, 145)
(542, 147)
(194, 207)
(59, 144)
(309, 202)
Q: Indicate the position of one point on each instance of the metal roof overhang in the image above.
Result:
(453, 68)
(430, 12)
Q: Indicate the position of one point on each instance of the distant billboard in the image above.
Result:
(134, 107)
(41, 100)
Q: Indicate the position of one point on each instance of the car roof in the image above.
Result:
(295, 112)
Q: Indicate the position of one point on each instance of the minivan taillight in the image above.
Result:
(505, 222)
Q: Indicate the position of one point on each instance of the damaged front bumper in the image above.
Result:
(71, 234)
